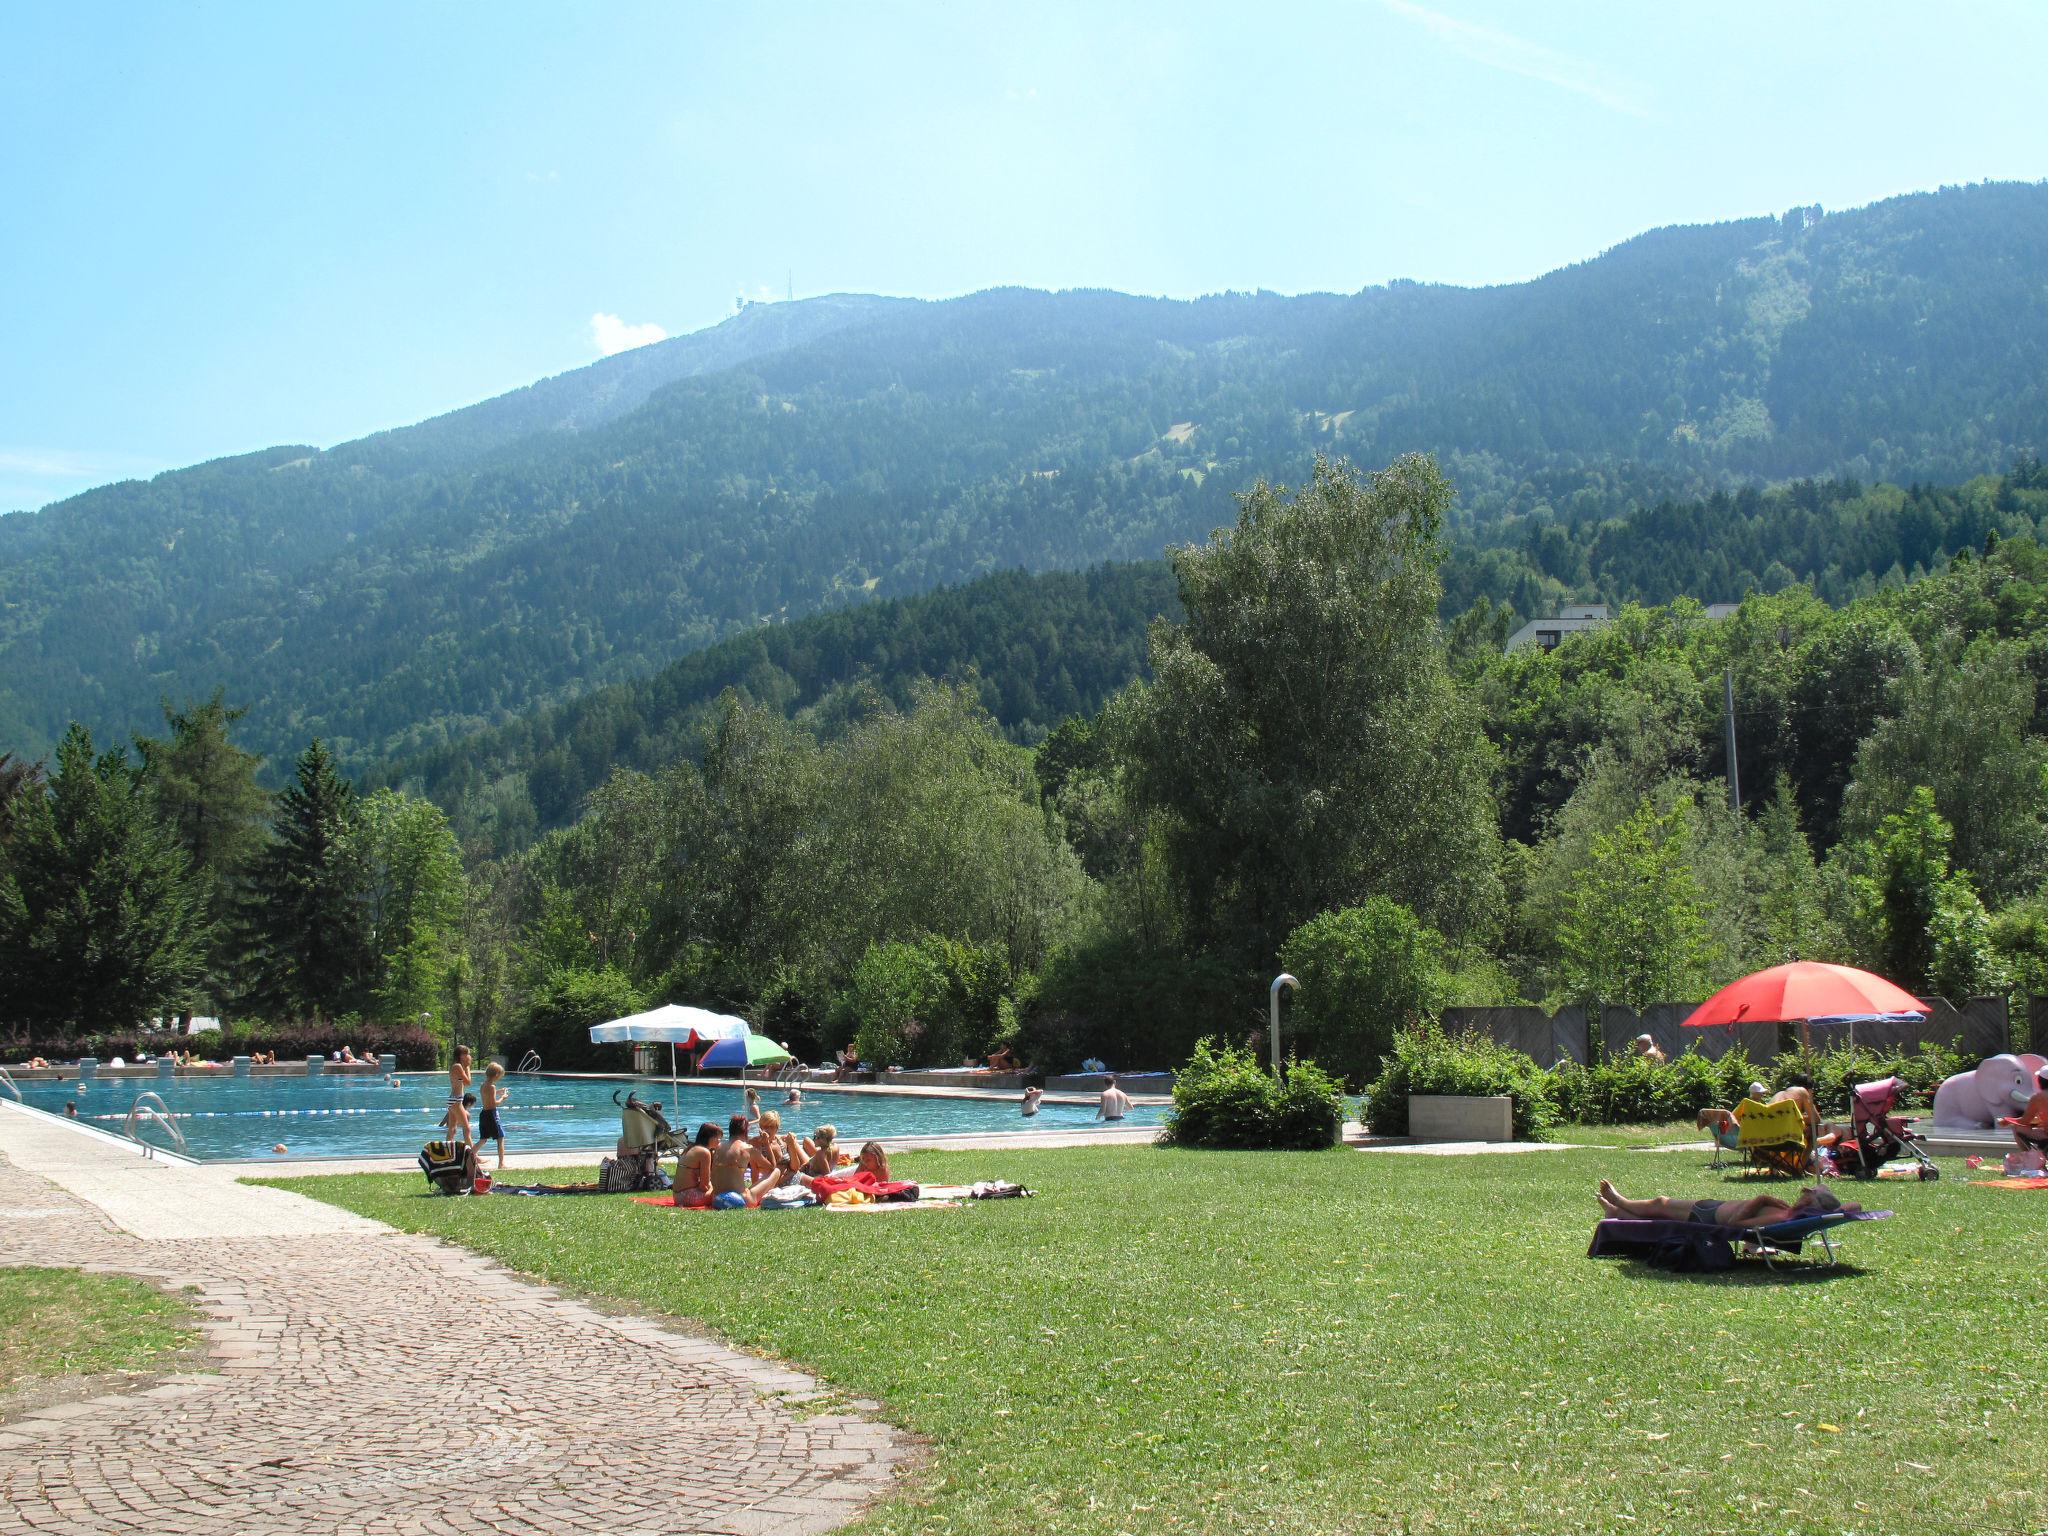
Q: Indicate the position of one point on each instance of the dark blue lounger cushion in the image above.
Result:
(1693, 1245)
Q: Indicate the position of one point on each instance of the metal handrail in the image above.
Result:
(530, 1062)
(158, 1112)
(7, 1081)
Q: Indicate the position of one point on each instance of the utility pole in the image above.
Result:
(1728, 718)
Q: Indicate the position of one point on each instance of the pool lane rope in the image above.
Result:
(268, 1114)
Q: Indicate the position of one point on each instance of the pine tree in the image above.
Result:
(204, 789)
(309, 952)
(99, 917)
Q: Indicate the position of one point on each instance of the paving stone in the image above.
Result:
(396, 1384)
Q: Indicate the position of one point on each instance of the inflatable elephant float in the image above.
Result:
(1978, 1099)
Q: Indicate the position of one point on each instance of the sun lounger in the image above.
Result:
(1695, 1246)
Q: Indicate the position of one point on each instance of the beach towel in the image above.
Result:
(547, 1189)
(2033, 1181)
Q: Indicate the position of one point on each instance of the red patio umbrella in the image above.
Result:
(1808, 992)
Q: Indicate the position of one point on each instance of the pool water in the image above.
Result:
(230, 1118)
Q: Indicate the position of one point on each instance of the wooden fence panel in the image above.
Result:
(1528, 1029)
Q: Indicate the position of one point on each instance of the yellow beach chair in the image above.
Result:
(1773, 1137)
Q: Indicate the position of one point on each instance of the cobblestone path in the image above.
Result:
(384, 1383)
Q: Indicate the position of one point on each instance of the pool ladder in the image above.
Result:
(7, 1081)
(530, 1062)
(149, 1107)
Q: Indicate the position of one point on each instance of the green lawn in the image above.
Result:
(58, 1322)
(1630, 1135)
(1356, 1342)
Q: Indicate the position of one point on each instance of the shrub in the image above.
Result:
(925, 1003)
(1223, 1099)
(1134, 1006)
(414, 1047)
(1365, 972)
(1627, 1089)
(564, 1006)
(1426, 1060)
(1835, 1069)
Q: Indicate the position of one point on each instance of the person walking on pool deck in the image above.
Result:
(458, 1084)
(488, 1127)
(1755, 1211)
(1115, 1102)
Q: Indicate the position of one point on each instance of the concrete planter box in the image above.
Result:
(1442, 1117)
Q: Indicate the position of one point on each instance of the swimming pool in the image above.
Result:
(225, 1118)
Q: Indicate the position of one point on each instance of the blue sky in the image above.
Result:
(233, 225)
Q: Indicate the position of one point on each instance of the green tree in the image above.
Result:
(100, 921)
(413, 893)
(1365, 973)
(1301, 735)
(309, 946)
(1634, 927)
(1962, 733)
(1913, 917)
(1785, 891)
(204, 788)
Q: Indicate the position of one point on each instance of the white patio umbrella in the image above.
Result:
(675, 1024)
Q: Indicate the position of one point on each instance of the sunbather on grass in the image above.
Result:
(774, 1148)
(1751, 1211)
(693, 1172)
(732, 1168)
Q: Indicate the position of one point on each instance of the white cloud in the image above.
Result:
(613, 335)
(34, 477)
(1495, 49)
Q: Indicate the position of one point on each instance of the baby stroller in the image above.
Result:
(644, 1137)
(1877, 1136)
(643, 1126)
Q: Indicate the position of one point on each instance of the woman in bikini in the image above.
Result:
(693, 1173)
(773, 1146)
(458, 1084)
(820, 1155)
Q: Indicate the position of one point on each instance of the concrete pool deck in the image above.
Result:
(368, 1380)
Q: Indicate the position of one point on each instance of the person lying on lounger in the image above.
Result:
(1751, 1211)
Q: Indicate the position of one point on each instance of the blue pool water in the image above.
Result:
(226, 1118)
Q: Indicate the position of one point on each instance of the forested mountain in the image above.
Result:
(397, 593)
(1038, 648)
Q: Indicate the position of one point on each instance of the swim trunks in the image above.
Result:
(487, 1128)
(1706, 1212)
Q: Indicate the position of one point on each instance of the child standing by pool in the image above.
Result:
(458, 1080)
(488, 1128)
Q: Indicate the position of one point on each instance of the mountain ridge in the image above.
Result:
(403, 590)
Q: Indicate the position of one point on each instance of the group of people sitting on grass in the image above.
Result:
(757, 1162)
